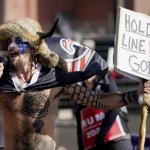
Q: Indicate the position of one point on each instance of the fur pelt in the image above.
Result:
(27, 29)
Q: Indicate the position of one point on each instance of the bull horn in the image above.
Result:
(50, 33)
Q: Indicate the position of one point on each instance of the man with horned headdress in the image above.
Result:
(32, 81)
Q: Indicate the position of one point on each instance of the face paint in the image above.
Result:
(18, 44)
(22, 45)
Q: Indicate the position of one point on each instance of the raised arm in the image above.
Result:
(83, 96)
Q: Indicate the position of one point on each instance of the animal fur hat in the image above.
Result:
(29, 30)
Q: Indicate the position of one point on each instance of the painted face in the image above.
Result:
(18, 45)
(17, 52)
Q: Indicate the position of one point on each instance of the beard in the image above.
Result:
(18, 65)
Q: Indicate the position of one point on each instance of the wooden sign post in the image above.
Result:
(132, 52)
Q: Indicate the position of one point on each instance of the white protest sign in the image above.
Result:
(132, 44)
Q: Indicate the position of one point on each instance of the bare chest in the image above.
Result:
(31, 104)
(29, 116)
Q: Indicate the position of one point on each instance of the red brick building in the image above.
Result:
(80, 13)
(84, 16)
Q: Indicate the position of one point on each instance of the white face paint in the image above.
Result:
(12, 44)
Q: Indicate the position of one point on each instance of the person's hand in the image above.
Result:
(1, 69)
(144, 91)
(146, 95)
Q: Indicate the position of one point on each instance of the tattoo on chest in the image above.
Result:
(36, 105)
(27, 143)
(38, 124)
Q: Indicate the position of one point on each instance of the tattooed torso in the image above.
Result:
(29, 119)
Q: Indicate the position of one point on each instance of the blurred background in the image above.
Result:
(91, 22)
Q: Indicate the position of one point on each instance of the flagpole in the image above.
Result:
(142, 133)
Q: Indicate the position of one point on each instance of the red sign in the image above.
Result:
(91, 120)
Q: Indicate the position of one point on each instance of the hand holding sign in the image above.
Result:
(133, 44)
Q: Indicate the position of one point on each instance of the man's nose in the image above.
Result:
(10, 46)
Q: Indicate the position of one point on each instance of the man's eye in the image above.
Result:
(8, 41)
(18, 41)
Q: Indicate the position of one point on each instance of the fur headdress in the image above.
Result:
(29, 30)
